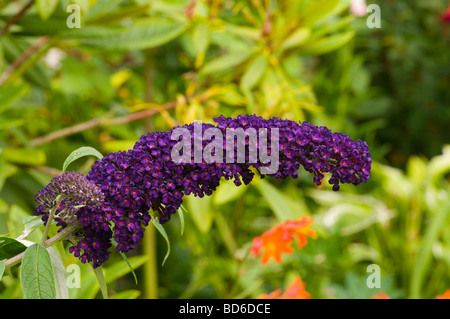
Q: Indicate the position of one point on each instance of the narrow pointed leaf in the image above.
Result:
(78, 153)
(162, 231)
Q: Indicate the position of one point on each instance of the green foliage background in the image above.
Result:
(139, 66)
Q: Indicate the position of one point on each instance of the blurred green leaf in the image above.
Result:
(2, 268)
(200, 37)
(102, 7)
(142, 34)
(327, 44)
(297, 38)
(227, 192)
(10, 94)
(254, 72)
(224, 62)
(45, 8)
(127, 294)
(24, 156)
(201, 212)
(120, 14)
(317, 10)
(275, 199)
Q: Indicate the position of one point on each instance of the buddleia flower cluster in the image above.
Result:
(148, 179)
(75, 199)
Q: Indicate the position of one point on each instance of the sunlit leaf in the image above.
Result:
(254, 72)
(327, 44)
(45, 8)
(297, 38)
(81, 152)
(224, 62)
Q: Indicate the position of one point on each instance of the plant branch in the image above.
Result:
(63, 233)
(33, 48)
(49, 221)
(15, 17)
(108, 122)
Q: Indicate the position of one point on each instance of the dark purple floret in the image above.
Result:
(122, 179)
(79, 201)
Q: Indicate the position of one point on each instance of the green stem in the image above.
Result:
(150, 267)
(425, 253)
(51, 214)
(66, 231)
(150, 243)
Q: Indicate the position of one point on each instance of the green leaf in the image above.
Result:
(82, 151)
(31, 222)
(162, 231)
(327, 44)
(200, 37)
(317, 10)
(10, 247)
(10, 94)
(180, 213)
(143, 34)
(120, 14)
(62, 291)
(227, 192)
(125, 258)
(45, 8)
(127, 294)
(2, 268)
(101, 281)
(275, 199)
(254, 72)
(83, 4)
(102, 7)
(36, 274)
(224, 62)
(297, 38)
(201, 212)
(121, 268)
(24, 156)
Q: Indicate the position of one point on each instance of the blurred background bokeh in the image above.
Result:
(135, 66)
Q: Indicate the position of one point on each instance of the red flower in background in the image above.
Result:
(296, 290)
(446, 15)
(279, 239)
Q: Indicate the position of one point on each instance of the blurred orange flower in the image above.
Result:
(445, 295)
(279, 239)
(381, 295)
(296, 290)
